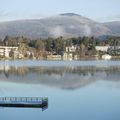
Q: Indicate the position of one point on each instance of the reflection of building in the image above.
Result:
(64, 77)
(106, 57)
(5, 50)
(4, 68)
(67, 56)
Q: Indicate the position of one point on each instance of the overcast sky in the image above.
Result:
(98, 10)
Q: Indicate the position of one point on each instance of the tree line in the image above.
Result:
(58, 44)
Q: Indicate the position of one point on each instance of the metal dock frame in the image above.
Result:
(24, 102)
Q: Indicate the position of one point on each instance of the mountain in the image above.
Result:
(66, 25)
(114, 27)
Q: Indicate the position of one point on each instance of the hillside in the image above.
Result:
(66, 25)
(114, 27)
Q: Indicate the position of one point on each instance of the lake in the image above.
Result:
(76, 90)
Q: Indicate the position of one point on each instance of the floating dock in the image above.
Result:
(24, 102)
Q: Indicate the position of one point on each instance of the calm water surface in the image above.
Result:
(77, 90)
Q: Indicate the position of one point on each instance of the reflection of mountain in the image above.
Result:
(60, 77)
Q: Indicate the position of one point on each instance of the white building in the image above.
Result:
(102, 48)
(54, 57)
(5, 50)
(71, 49)
(105, 48)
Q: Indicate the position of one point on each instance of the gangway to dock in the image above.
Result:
(24, 102)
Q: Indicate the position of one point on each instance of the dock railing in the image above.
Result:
(39, 101)
(22, 99)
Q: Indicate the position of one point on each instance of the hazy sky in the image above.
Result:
(99, 10)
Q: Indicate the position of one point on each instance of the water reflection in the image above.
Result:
(75, 91)
(64, 77)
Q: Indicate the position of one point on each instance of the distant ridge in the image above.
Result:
(66, 25)
(70, 14)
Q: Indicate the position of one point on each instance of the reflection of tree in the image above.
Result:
(62, 77)
(6, 74)
(15, 71)
(81, 71)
